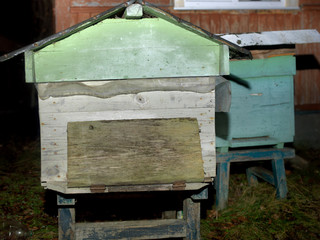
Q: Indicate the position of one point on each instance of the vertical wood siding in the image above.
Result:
(307, 81)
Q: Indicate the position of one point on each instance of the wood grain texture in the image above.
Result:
(54, 134)
(191, 214)
(143, 229)
(56, 112)
(134, 152)
(139, 101)
(62, 187)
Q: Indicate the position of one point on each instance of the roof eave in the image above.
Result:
(235, 50)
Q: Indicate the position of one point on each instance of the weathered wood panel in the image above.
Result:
(131, 152)
(54, 127)
(140, 101)
(155, 229)
(56, 112)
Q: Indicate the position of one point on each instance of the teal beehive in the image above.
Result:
(262, 105)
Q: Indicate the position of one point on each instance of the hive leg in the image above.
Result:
(279, 175)
(191, 213)
(222, 185)
(66, 217)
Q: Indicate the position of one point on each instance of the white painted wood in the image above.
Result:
(55, 113)
(144, 100)
(55, 122)
(54, 127)
(54, 170)
(274, 37)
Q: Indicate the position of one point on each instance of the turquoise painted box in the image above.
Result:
(262, 105)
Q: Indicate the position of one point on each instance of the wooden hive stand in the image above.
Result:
(277, 177)
(186, 226)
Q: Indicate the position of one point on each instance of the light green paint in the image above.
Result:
(127, 49)
(29, 66)
(262, 105)
(276, 66)
(224, 60)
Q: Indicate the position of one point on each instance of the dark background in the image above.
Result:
(21, 23)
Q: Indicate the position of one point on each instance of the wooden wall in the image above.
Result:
(307, 80)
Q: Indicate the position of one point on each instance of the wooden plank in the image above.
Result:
(61, 186)
(152, 229)
(164, 50)
(134, 152)
(54, 134)
(279, 176)
(200, 195)
(260, 172)
(63, 200)
(191, 214)
(256, 155)
(277, 66)
(53, 170)
(66, 221)
(260, 54)
(222, 185)
(55, 113)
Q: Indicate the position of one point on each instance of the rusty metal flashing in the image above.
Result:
(235, 50)
(179, 185)
(98, 188)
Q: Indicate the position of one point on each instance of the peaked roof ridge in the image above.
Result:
(235, 50)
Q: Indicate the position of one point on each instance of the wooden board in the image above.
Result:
(106, 51)
(56, 112)
(54, 133)
(129, 152)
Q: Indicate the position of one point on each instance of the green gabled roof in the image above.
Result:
(149, 9)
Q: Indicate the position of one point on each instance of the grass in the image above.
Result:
(22, 200)
(253, 212)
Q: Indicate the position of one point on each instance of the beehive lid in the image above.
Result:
(119, 44)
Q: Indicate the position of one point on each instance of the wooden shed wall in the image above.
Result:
(307, 80)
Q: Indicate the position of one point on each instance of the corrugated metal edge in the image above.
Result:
(235, 50)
